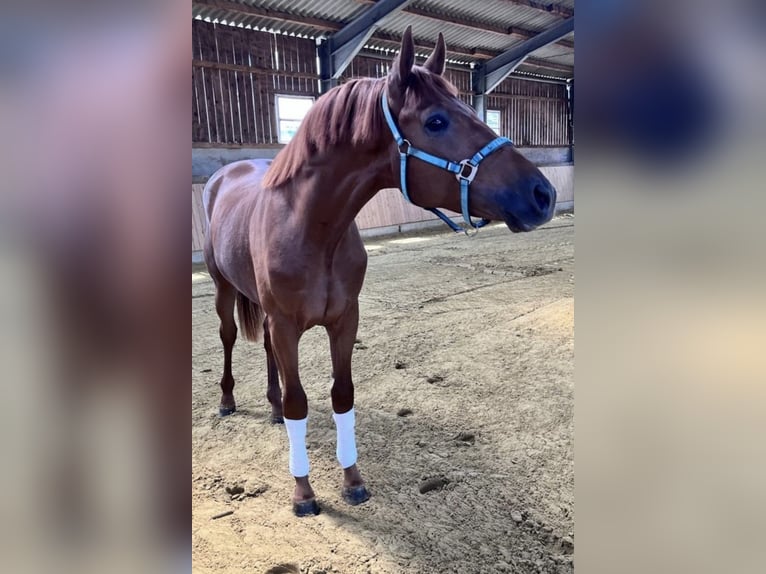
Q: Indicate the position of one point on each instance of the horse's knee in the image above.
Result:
(228, 334)
(274, 395)
(342, 394)
(294, 403)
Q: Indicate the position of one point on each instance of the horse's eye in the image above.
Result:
(437, 123)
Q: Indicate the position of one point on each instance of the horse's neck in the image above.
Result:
(336, 190)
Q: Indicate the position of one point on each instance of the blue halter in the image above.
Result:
(465, 171)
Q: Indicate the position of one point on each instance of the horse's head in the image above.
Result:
(506, 187)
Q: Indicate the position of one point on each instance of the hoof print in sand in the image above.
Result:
(235, 489)
(465, 438)
(435, 483)
(283, 569)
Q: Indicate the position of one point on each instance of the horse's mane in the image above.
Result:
(348, 114)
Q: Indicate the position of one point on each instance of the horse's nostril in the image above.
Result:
(542, 196)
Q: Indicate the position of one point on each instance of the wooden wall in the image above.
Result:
(388, 208)
(236, 74)
(531, 113)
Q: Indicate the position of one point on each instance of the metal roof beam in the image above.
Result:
(549, 65)
(366, 21)
(545, 7)
(464, 22)
(395, 41)
(497, 69)
(337, 51)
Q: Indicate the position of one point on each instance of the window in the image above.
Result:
(290, 112)
(493, 120)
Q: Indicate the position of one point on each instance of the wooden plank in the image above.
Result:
(501, 95)
(238, 113)
(226, 56)
(288, 55)
(222, 85)
(261, 52)
(388, 208)
(562, 178)
(198, 218)
(200, 129)
(241, 57)
(204, 42)
(213, 84)
(200, 120)
(205, 33)
(215, 145)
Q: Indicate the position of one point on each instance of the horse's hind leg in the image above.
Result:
(273, 392)
(342, 336)
(225, 297)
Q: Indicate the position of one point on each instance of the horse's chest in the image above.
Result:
(315, 290)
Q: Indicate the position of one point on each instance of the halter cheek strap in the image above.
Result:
(465, 171)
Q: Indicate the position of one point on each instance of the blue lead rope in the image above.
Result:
(465, 171)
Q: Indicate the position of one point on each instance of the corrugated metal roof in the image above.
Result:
(552, 52)
(336, 10)
(483, 28)
(427, 29)
(492, 11)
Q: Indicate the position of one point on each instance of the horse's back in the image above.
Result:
(240, 178)
(229, 199)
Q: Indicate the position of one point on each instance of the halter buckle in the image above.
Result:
(472, 169)
(469, 231)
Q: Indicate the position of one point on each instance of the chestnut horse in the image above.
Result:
(283, 245)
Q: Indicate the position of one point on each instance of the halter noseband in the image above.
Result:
(465, 171)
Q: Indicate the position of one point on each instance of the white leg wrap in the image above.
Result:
(299, 458)
(346, 450)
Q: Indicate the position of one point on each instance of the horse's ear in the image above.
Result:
(402, 66)
(435, 62)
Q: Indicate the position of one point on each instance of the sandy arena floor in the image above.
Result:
(475, 338)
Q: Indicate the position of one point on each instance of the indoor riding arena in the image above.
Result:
(464, 360)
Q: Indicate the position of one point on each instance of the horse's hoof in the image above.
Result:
(355, 495)
(226, 411)
(306, 508)
(277, 420)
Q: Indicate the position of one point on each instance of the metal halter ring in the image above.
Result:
(472, 169)
(407, 143)
(469, 231)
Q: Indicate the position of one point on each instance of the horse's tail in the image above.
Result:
(250, 317)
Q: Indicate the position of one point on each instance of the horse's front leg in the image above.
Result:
(273, 392)
(342, 336)
(284, 342)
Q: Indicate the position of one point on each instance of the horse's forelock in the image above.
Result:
(426, 88)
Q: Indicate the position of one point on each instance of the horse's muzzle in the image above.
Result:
(530, 207)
